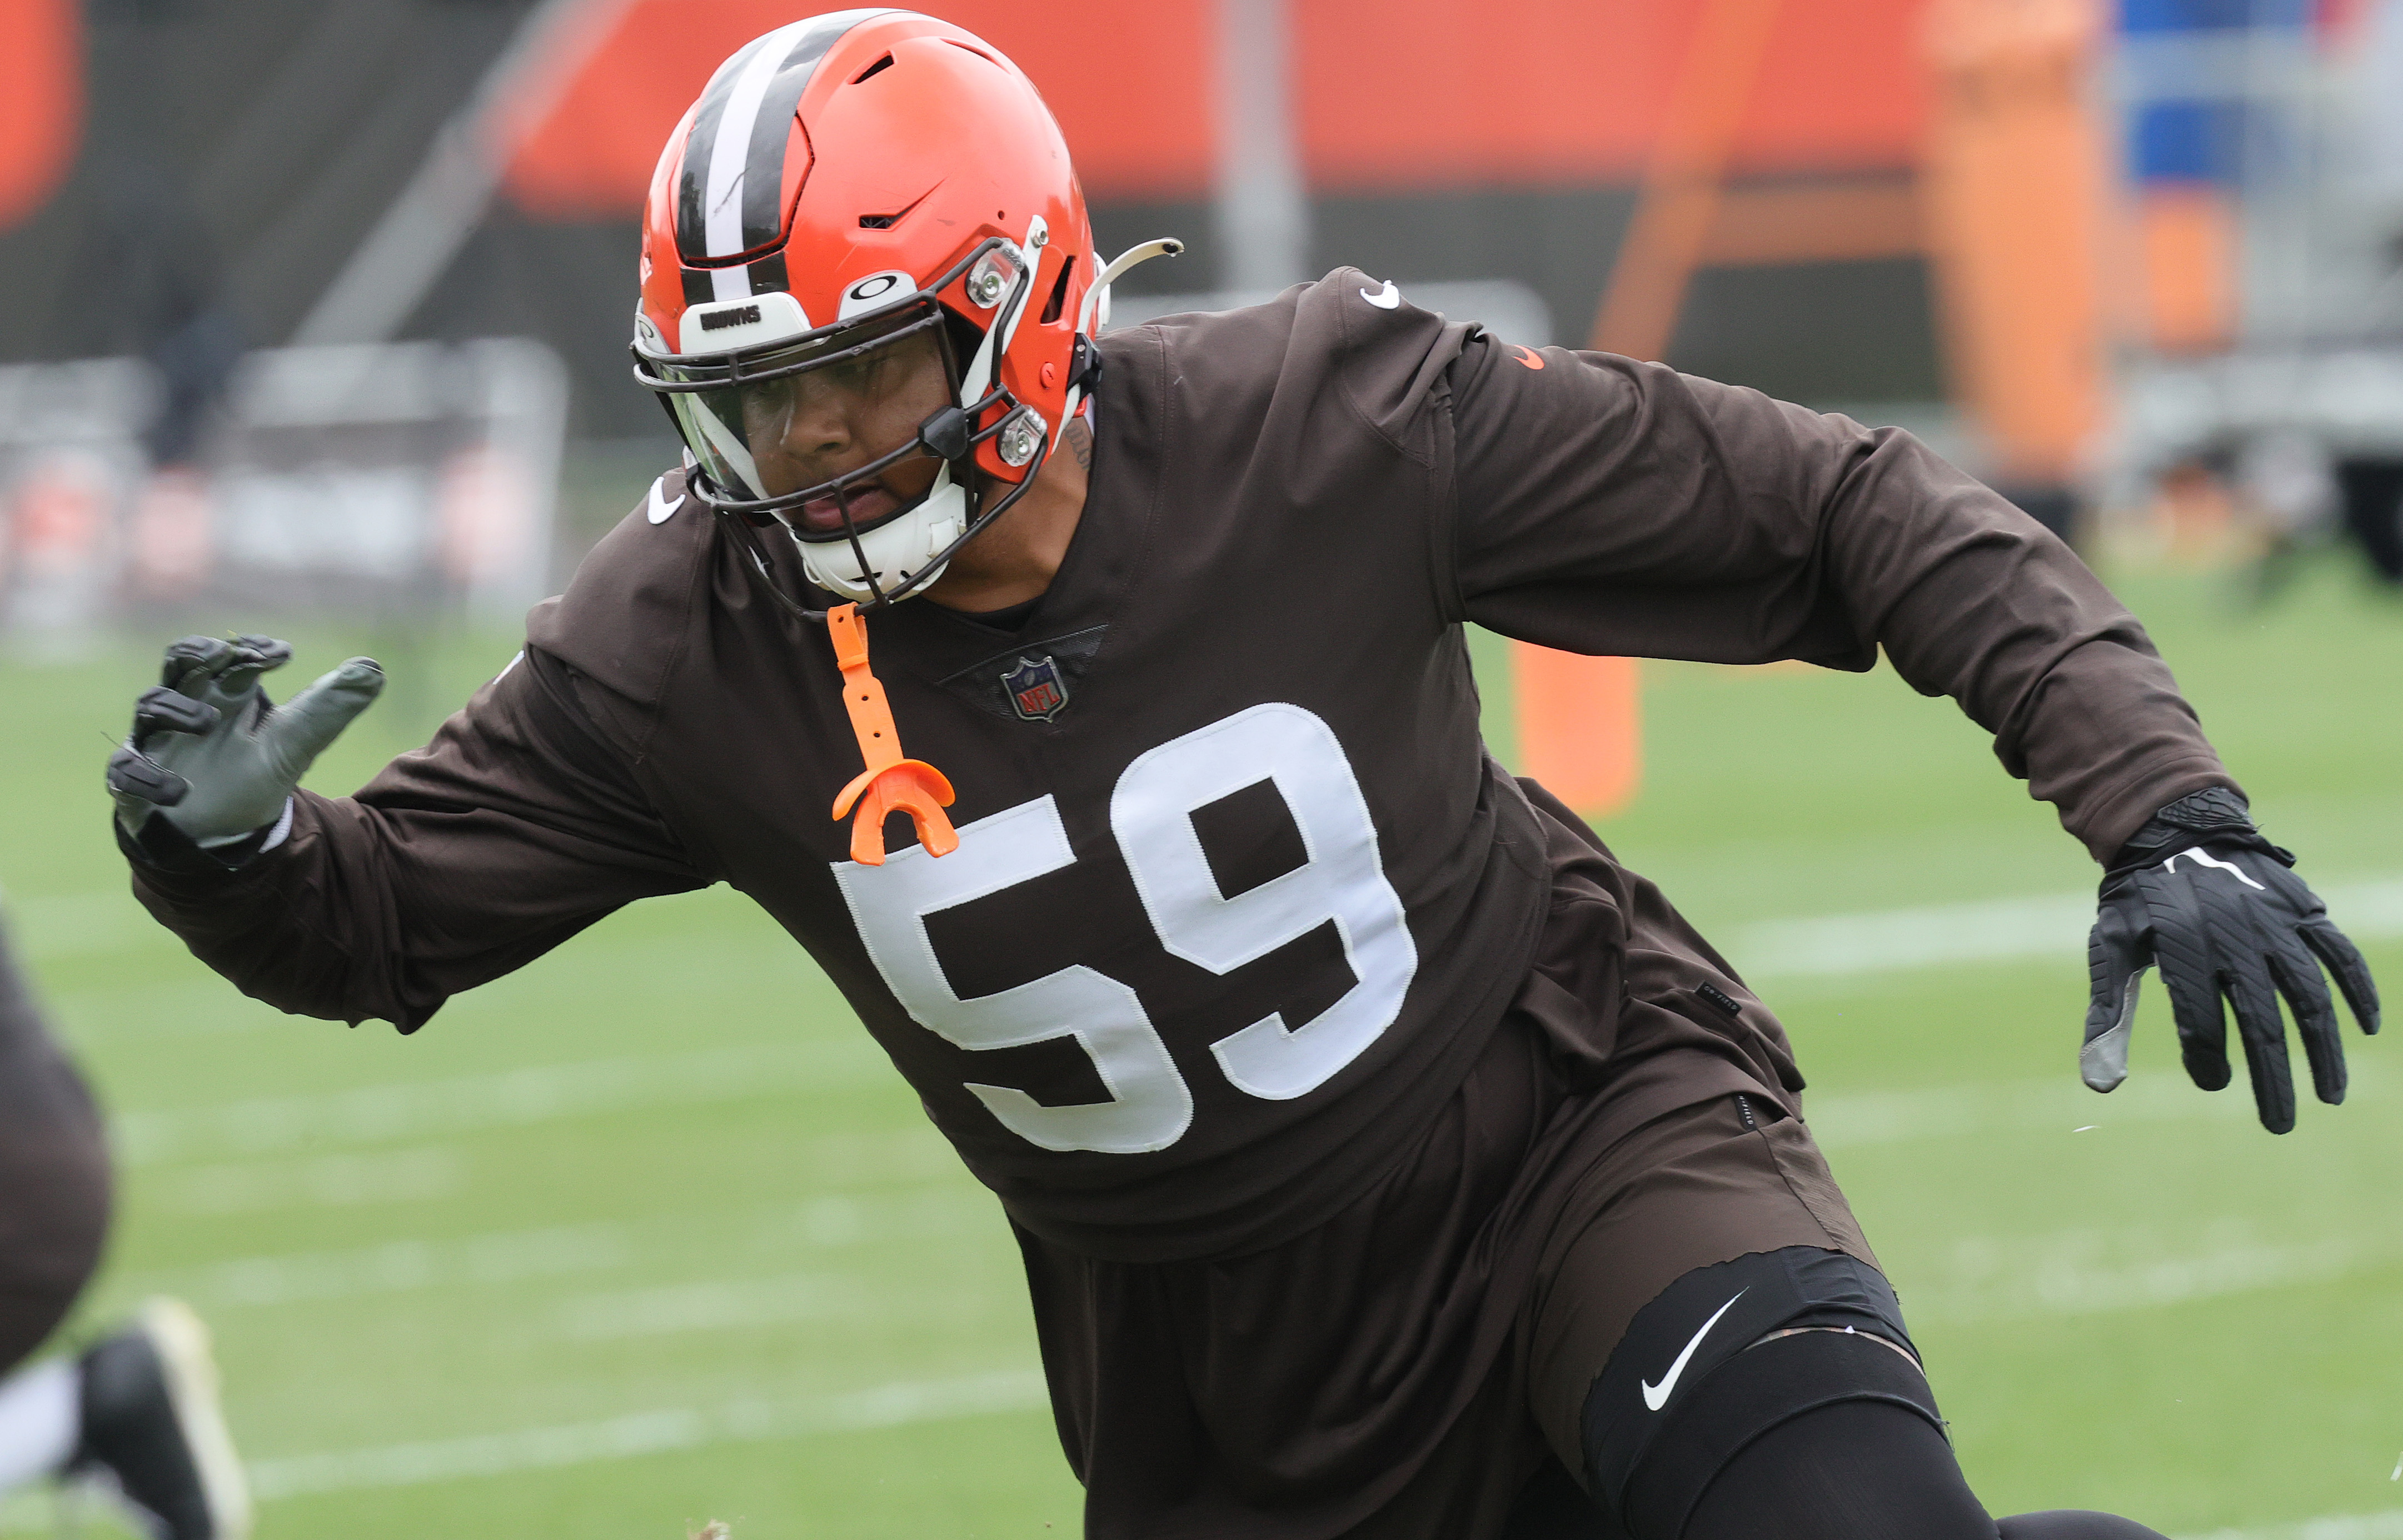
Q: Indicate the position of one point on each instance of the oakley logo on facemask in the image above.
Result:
(742, 315)
(875, 290)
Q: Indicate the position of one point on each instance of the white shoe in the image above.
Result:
(151, 1422)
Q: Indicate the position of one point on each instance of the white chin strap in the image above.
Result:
(1097, 296)
(896, 552)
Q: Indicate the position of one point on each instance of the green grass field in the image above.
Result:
(650, 1234)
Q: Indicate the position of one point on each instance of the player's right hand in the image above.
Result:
(211, 756)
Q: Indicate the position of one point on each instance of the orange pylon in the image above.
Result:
(1580, 719)
(2015, 193)
(1580, 725)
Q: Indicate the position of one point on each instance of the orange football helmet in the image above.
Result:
(844, 184)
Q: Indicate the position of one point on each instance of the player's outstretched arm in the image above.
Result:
(520, 824)
(211, 763)
(2200, 894)
(1612, 507)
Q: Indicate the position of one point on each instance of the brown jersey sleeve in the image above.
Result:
(1611, 507)
(516, 827)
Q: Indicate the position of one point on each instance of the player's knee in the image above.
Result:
(1838, 1472)
(1728, 1355)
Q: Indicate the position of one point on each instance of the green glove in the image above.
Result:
(210, 754)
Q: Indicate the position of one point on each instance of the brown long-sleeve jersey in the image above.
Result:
(1239, 896)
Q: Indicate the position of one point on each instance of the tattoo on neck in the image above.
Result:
(1080, 443)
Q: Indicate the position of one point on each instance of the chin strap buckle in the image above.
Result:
(890, 783)
(1084, 364)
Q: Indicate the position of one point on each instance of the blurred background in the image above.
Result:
(281, 269)
(316, 321)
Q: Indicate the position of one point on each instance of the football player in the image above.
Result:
(137, 1411)
(1387, 1159)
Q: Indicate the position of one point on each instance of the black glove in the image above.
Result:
(2199, 892)
(211, 763)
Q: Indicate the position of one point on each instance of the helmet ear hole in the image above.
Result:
(1059, 300)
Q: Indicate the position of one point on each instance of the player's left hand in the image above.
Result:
(2201, 893)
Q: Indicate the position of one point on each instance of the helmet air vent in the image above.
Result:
(887, 221)
(877, 68)
(1059, 300)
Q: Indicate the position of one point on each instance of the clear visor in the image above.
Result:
(753, 421)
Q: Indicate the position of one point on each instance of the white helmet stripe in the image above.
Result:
(692, 180)
(763, 216)
(730, 156)
(734, 163)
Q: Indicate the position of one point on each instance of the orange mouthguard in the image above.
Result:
(890, 783)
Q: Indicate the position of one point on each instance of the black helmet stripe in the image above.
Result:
(768, 274)
(735, 161)
(771, 127)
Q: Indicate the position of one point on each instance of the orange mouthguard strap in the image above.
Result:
(890, 783)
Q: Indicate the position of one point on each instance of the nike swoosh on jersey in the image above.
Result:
(2202, 859)
(1385, 299)
(1527, 357)
(661, 511)
(1657, 1396)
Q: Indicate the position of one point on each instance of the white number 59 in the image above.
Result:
(1343, 882)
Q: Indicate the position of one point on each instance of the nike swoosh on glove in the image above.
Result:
(210, 762)
(2200, 894)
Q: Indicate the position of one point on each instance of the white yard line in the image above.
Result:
(1989, 931)
(2340, 1526)
(825, 1222)
(393, 1266)
(417, 1110)
(657, 1432)
(2083, 1274)
(1851, 1119)
(719, 1304)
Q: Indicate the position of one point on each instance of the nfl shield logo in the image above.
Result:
(1037, 689)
